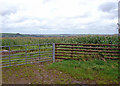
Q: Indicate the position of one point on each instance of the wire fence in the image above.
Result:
(26, 54)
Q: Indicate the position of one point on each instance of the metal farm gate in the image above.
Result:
(26, 54)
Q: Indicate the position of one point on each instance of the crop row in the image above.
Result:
(94, 39)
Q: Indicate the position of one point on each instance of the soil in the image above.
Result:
(38, 73)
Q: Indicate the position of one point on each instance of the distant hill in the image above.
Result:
(18, 35)
(34, 35)
(44, 35)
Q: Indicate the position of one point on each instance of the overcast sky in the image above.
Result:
(59, 16)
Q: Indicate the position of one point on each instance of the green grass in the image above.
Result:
(93, 70)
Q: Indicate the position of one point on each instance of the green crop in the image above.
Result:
(89, 39)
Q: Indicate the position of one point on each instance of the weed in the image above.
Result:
(34, 81)
(17, 75)
(90, 70)
(39, 70)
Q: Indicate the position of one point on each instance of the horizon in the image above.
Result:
(57, 34)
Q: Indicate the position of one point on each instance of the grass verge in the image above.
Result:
(96, 71)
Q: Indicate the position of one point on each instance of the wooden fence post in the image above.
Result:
(39, 52)
(53, 52)
(26, 53)
(9, 57)
(72, 52)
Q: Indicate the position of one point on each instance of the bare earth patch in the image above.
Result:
(36, 74)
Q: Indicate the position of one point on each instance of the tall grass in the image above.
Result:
(97, 71)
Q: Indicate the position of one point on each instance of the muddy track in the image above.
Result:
(41, 75)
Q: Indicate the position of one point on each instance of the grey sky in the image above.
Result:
(59, 16)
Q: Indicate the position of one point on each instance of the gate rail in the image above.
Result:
(26, 54)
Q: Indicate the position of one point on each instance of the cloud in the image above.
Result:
(108, 6)
(8, 12)
(59, 16)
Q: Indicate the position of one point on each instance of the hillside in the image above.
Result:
(45, 35)
(35, 35)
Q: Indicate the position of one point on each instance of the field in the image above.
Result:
(71, 71)
(89, 39)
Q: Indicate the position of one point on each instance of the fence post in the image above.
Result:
(72, 52)
(53, 53)
(9, 57)
(39, 52)
(26, 53)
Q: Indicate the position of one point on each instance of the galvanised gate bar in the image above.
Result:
(26, 54)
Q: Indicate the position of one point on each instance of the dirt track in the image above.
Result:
(36, 74)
